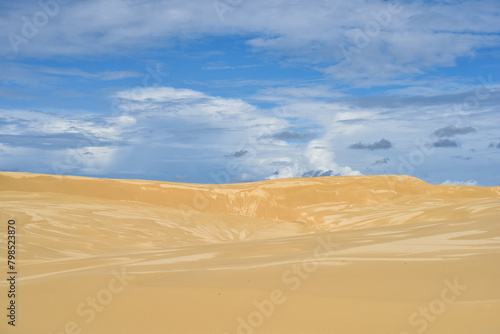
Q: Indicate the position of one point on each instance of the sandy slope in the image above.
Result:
(358, 254)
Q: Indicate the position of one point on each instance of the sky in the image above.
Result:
(222, 91)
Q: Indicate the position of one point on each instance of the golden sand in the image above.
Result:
(347, 255)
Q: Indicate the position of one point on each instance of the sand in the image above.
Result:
(347, 255)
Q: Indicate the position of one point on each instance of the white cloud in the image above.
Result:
(323, 158)
(288, 94)
(210, 129)
(221, 66)
(62, 144)
(165, 132)
(116, 75)
(417, 37)
(105, 76)
(245, 177)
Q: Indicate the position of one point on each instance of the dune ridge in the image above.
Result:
(354, 254)
(283, 199)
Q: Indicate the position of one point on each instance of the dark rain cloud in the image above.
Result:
(493, 145)
(382, 161)
(452, 130)
(382, 144)
(238, 154)
(445, 143)
(318, 173)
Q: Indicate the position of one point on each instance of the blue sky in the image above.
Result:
(235, 91)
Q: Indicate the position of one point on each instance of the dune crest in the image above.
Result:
(308, 200)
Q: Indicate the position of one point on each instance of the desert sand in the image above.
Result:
(347, 255)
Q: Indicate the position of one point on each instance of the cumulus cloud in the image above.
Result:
(317, 159)
(159, 129)
(382, 144)
(445, 143)
(322, 157)
(452, 130)
(184, 129)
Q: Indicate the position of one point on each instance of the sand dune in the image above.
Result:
(357, 254)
